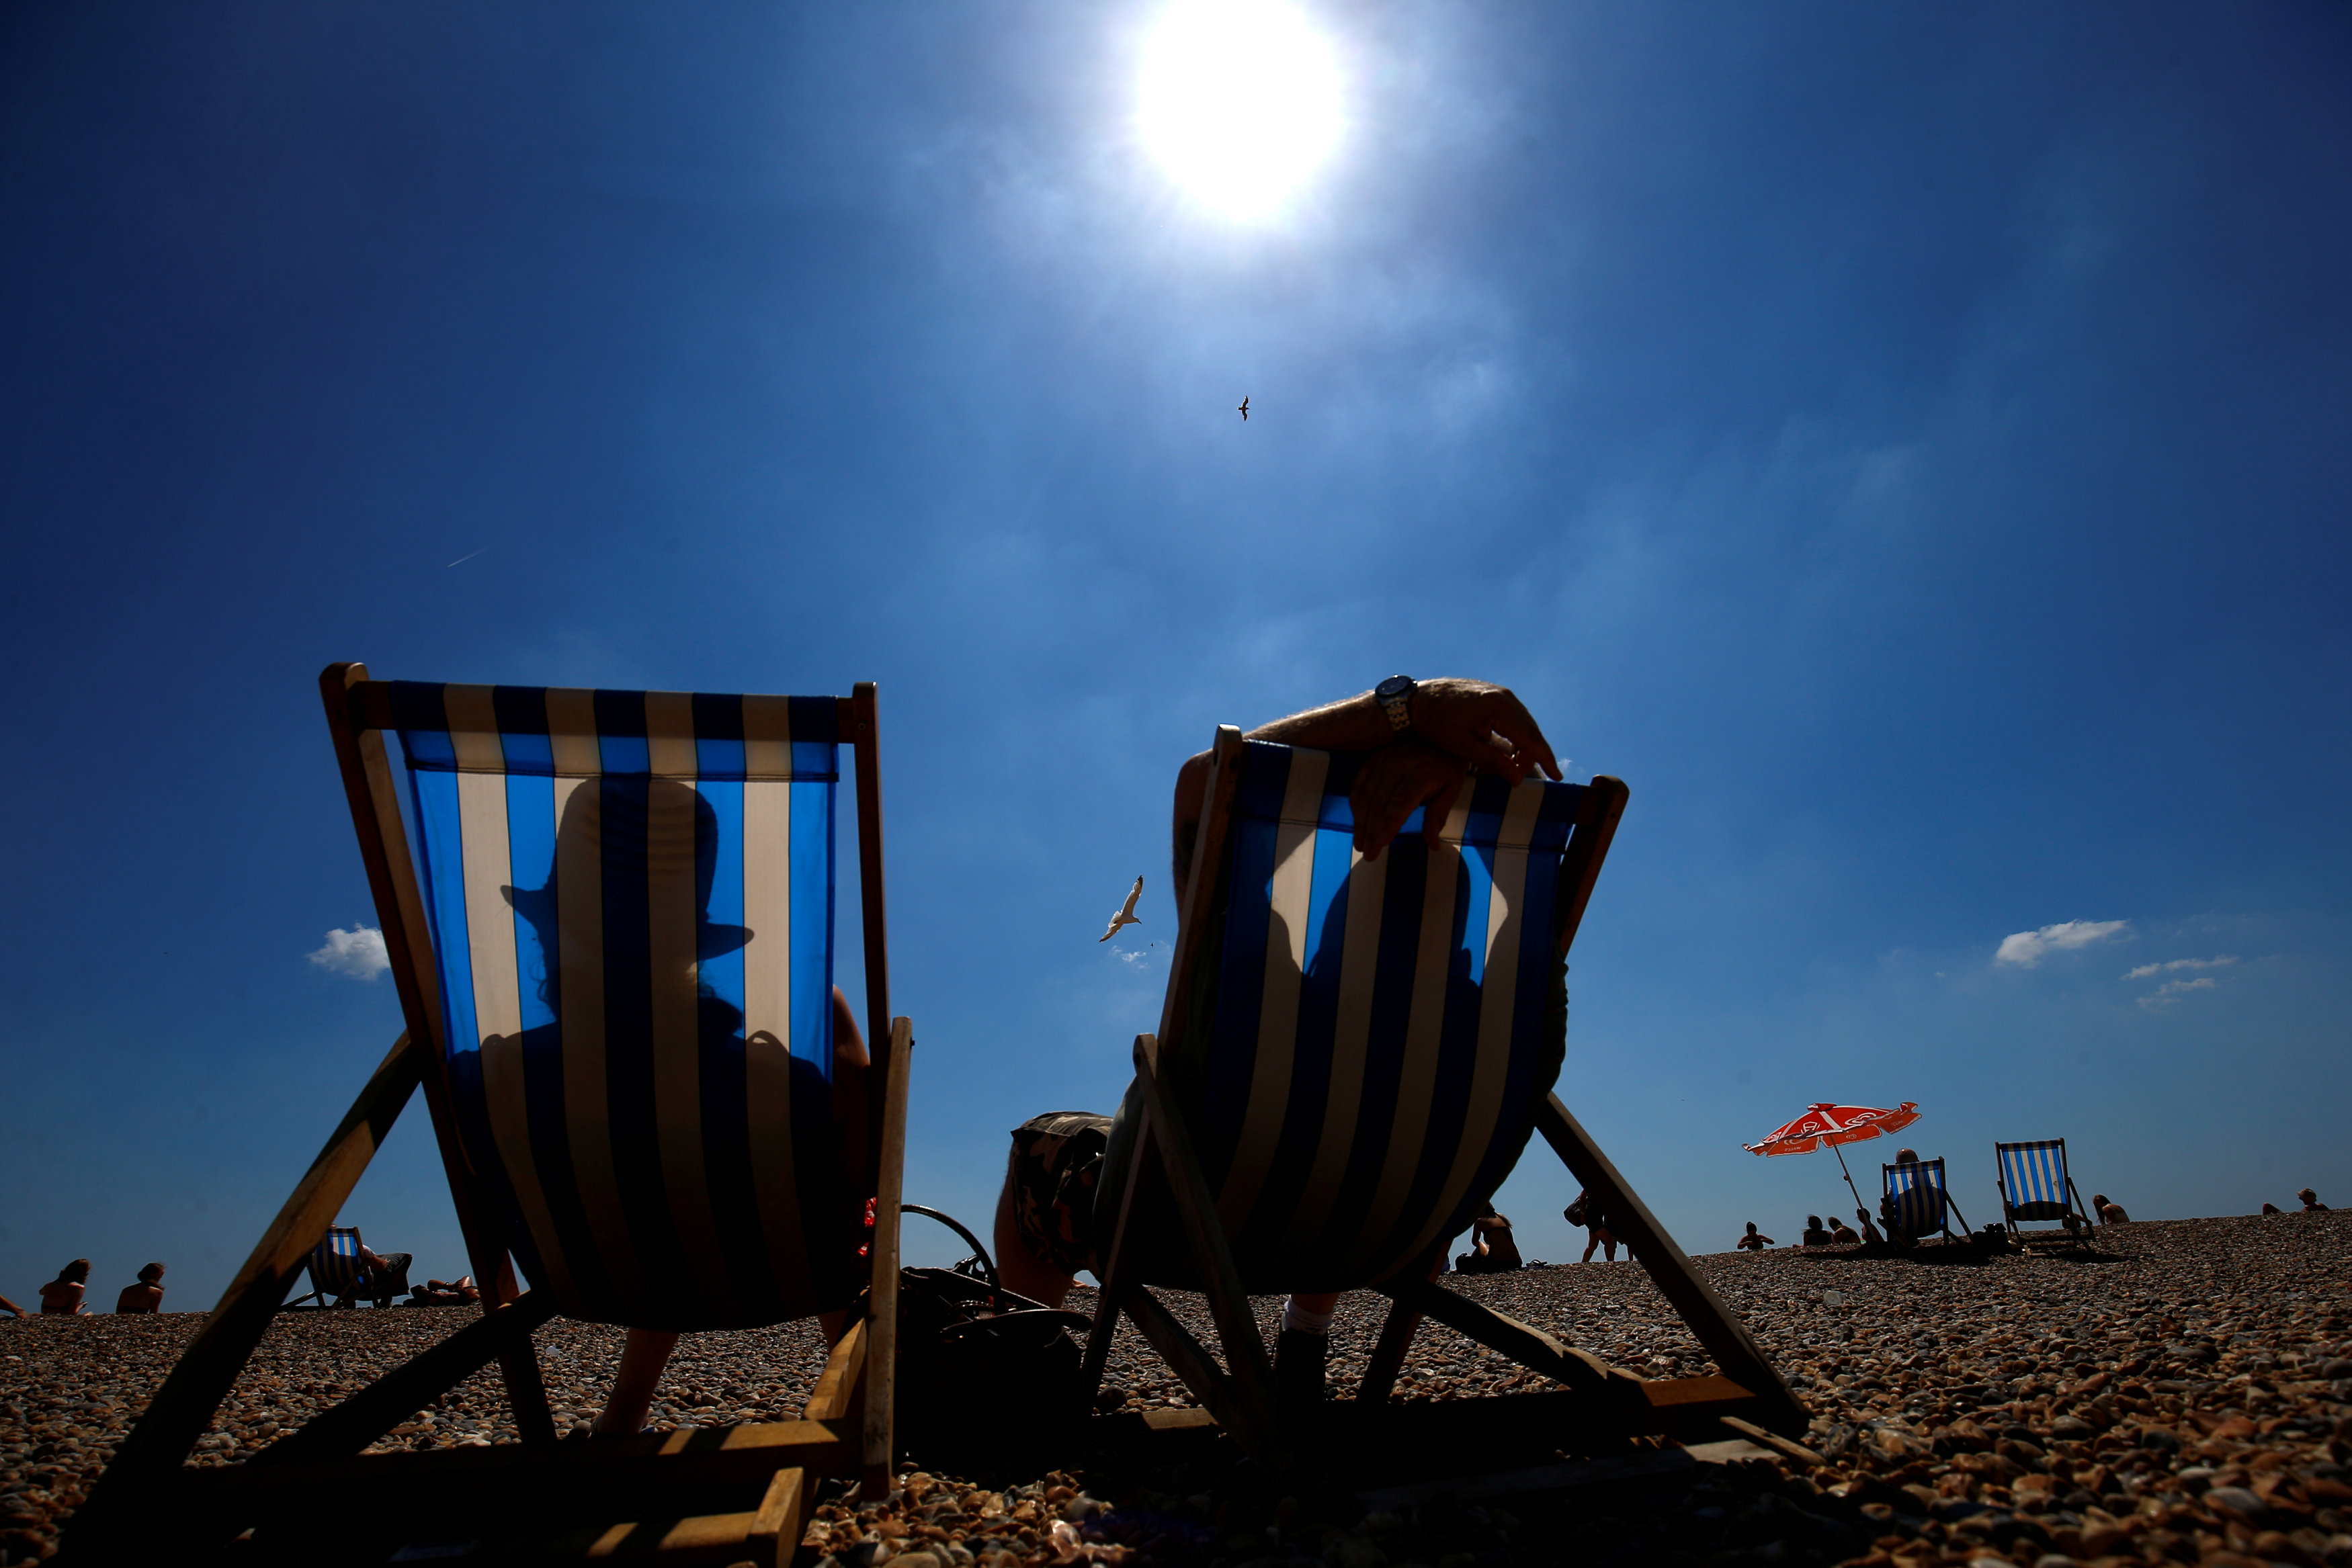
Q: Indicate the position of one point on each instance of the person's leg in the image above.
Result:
(1591, 1241)
(1018, 1269)
(1302, 1350)
(642, 1360)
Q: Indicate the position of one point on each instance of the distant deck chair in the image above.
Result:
(2036, 1189)
(1371, 1033)
(337, 1272)
(614, 952)
(1916, 1202)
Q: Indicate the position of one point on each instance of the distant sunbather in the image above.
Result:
(2273, 1209)
(62, 1296)
(1870, 1235)
(12, 1308)
(1492, 1250)
(1816, 1235)
(147, 1295)
(1842, 1234)
(2311, 1204)
(2109, 1213)
(1752, 1242)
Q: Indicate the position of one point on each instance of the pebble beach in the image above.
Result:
(2183, 1393)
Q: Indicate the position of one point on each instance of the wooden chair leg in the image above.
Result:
(1388, 1354)
(882, 1293)
(177, 1416)
(1669, 1268)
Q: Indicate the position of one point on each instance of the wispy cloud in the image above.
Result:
(2146, 971)
(2169, 993)
(2026, 948)
(358, 954)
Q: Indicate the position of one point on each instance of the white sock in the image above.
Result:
(1297, 1319)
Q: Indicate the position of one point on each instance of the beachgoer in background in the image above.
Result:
(2273, 1209)
(12, 1308)
(1870, 1235)
(1815, 1234)
(1584, 1212)
(454, 1292)
(1420, 742)
(2109, 1213)
(62, 1295)
(1752, 1242)
(2311, 1204)
(1842, 1234)
(1492, 1250)
(147, 1295)
(1906, 1158)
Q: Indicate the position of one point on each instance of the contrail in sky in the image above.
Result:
(464, 558)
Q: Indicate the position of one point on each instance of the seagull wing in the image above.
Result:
(1126, 911)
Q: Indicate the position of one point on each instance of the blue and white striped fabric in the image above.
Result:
(335, 1266)
(1379, 1042)
(2033, 1180)
(1915, 1188)
(630, 896)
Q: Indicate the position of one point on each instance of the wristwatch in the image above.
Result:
(1395, 697)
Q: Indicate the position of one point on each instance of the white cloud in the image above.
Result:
(2025, 948)
(358, 954)
(2146, 971)
(2168, 993)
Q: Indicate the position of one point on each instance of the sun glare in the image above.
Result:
(1240, 102)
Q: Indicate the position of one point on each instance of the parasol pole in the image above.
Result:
(1849, 1178)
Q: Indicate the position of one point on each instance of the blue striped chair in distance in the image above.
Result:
(1916, 1202)
(2036, 1189)
(1360, 1046)
(337, 1271)
(614, 949)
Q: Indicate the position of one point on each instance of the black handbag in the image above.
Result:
(988, 1381)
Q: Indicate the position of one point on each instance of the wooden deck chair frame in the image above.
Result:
(1240, 1395)
(320, 1290)
(2082, 1233)
(845, 1429)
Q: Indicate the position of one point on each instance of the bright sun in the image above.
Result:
(1240, 102)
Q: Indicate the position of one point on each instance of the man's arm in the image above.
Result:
(1457, 724)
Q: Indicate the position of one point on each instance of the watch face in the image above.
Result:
(1394, 687)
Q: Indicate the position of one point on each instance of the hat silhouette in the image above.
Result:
(619, 822)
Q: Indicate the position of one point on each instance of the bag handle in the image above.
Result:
(987, 1266)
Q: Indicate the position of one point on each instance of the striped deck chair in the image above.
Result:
(2035, 1188)
(1916, 1202)
(614, 952)
(337, 1272)
(1361, 1047)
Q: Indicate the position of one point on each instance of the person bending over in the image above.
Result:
(647, 1352)
(1587, 1213)
(62, 1296)
(146, 1295)
(1067, 1168)
(1492, 1250)
(1752, 1242)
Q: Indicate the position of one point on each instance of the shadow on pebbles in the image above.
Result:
(2180, 1395)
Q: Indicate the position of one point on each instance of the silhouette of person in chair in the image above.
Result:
(656, 998)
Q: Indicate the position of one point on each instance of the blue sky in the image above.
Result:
(1906, 443)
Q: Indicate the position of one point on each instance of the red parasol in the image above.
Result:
(1833, 1125)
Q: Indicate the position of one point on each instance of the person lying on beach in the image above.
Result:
(147, 1295)
(2311, 1204)
(1492, 1250)
(2273, 1209)
(647, 1352)
(1752, 1242)
(1068, 1168)
(62, 1296)
(2109, 1213)
(1816, 1236)
(11, 1308)
(454, 1292)
(1842, 1234)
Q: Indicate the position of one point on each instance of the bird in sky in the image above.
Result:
(1127, 915)
(1245, 411)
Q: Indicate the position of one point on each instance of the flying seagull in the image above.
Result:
(1125, 916)
(1245, 411)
